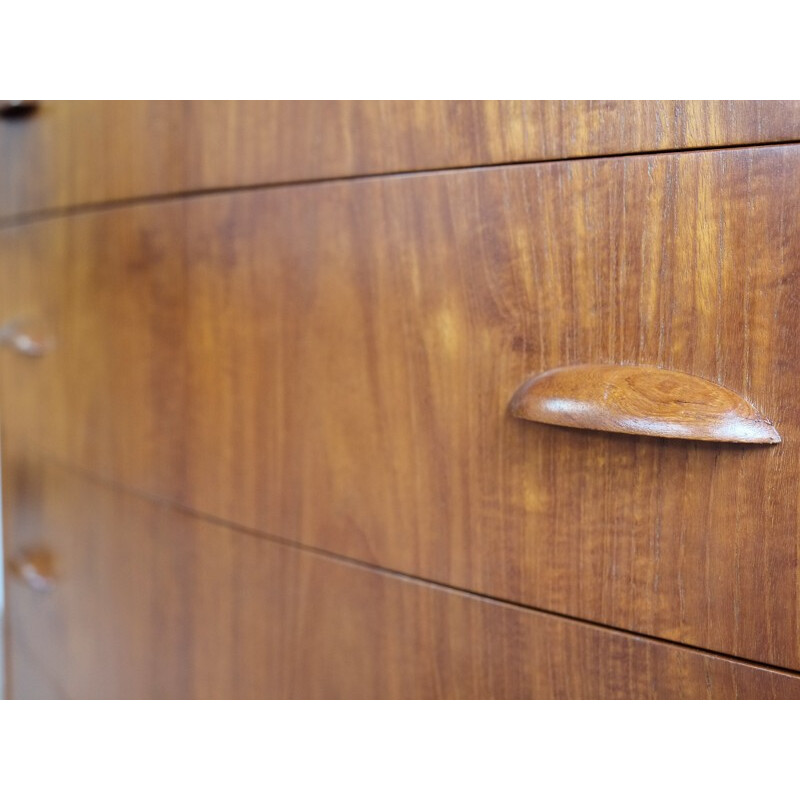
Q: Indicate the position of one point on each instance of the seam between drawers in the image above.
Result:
(41, 215)
(398, 574)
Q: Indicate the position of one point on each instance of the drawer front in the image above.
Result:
(150, 602)
(333, 365)
(76, 153)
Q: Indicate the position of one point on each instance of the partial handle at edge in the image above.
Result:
(35, 569)
(17, 109)
(32, 343)
(647, 401)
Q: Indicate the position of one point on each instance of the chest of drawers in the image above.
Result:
(268, 448)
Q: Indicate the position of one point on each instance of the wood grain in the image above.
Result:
(332, 365)
(640, 400)
(73, 153)
(154, 603)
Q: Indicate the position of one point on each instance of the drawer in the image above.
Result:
(150, 602)
(333, 365)
(76, 153)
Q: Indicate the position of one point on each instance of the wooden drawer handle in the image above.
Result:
(32, 344)
(17, 109)
(647, 401)
(35, 569)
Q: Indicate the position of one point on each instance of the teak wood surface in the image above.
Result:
(332, 365)
(74, 153)
(183, 608)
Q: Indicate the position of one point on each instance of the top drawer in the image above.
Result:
(333, 364)
(77, 153)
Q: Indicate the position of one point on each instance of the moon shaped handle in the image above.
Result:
(647, 401)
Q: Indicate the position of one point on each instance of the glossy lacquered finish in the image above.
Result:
(641, 400)
(154, 603)
(77, 153)
(333, 364)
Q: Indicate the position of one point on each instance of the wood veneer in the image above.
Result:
(151, 602)
(332, 364)
(74, 153)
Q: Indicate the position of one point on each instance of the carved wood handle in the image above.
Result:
(647, 401)
(35, 569)
(32, 342)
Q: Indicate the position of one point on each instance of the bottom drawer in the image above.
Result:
(150, 602)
